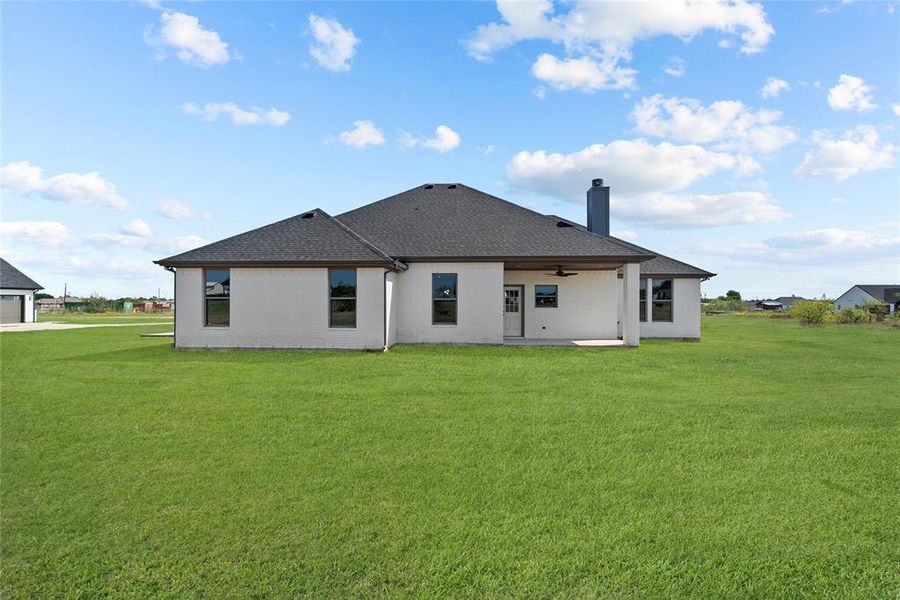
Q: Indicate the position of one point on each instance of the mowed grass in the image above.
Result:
(105, 318)
(761, 462)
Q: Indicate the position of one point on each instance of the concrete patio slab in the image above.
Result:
(562, 342)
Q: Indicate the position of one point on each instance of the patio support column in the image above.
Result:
(631, 323)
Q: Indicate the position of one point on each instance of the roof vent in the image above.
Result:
(452, 186)
(563, 224)
(429, 186)
(308, 215)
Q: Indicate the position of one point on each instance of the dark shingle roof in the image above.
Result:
(789, 299)
(310, 237)
(454, 220)
(885, 293)
(665, 266)
(13, 279)
(659, 265)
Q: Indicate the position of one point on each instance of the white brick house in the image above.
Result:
(16, 295)
(440, 263)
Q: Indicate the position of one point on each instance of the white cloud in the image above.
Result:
(22, 177)
(856, 151)
(444, 140)
(895, 108)
(826, 246)
(138, 227)
(774, 87)
(176, 210)
(675, 67)
(604, 32)
(164, 244)
(42, 233)
(486, 150)
(363, 135)
(728, 122)
(635, 167)
(851, 93)
(648, 180)
(239, 116)
(193, 44)
(334, 45)
(585, 74)
(617, 25)
(624, 234)
(697, 210)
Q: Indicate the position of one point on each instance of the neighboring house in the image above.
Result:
(769, 305)
(55, 305)
(859, 295)
(781, 303)
(787, 302)
(440, 263)
(16, 295)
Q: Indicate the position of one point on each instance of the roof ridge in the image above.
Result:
(544, 216)
(358, 237)
(612, 238)
(629, 244)
(231, 237)
(385, 199)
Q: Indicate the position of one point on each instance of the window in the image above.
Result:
(443, 298)
(342, 298)
(218, 294)
(545, 296)
(662, 300)
(643, 297)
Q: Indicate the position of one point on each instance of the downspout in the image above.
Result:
(386, 310)
(174, 308)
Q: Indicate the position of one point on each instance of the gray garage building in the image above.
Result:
(16, 295)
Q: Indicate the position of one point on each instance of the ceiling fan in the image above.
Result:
(560, 273)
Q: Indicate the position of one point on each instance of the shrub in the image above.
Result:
(725, 305)
(812, 312)
(97, 304)
(853, 315)
(877, 309)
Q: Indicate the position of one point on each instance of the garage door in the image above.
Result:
(11, 309)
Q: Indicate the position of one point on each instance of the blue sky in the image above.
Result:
(757, 141)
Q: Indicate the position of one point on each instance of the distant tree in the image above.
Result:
(732, 295)
(97, 304)
(722, 304)
(42, 296)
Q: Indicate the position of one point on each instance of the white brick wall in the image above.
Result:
(279, 308)
(685, 312)
(479, 304)
(288, 308)
(391, 299)
(587, 305)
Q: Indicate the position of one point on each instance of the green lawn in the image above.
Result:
(761, 462)
(107, 317)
